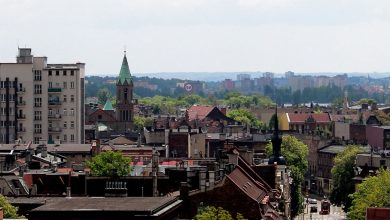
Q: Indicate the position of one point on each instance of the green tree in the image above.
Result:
(295, 152)
(9, 210)
(109, 163)
(212, 213)
(366, 101)
(141, 122)
(246, 117)
(342, 174)
(103, 95)
(372, 192)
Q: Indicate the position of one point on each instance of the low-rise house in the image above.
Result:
(306, 123)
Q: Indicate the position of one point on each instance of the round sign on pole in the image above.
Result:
(188, 87)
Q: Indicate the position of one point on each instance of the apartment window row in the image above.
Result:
(3, 137)
(10, 112)
(64, 85)
(66, 124)
(64, 72)
(70, 112)
(5, 123)
(71, 98)
(66, 137)
(3, 97)
(7, 84)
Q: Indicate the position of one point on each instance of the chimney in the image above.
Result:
(44, 151)
(1, 213)
(223, 110)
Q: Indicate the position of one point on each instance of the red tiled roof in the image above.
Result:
(198, 112)
(302, 117)
(247, 185)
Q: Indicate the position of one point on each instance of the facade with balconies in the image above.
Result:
(41, 102)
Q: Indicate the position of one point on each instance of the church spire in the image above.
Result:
(124, 74)
(276, 140)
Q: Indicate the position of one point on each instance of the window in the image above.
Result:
(71, 98)
(72, 111)
(65, 137)
(65, 85)
(37, 115)
(57, 72)
(50, 73)
(72, 85)
(37, 89)
(37, 75)
(64, 98)
(37, 128)
(72, 124)
(50, 85)
(36, 140)
(64, 73)
(72, 137)
(72, 73)
(37, 102)
(64, 113)
(65, 124)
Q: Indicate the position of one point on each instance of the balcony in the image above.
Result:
(54, 90)
(21, 116)
(22, 103)
(21, 90)
(54, 129)
(54, 116)
(54, 102)
(21, 129)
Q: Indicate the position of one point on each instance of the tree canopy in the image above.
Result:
(109, 163)
(212, 213)
(372, 192)
(246, 117)
(103, 95)
(342, 174)
(9, 211)
(295, 152)
(141, 122)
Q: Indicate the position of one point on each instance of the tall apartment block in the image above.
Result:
(41, 102)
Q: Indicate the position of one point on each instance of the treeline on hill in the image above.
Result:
(168, 87)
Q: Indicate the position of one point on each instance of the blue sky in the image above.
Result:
(202, 35)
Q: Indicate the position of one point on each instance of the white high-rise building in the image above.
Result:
(41, 102)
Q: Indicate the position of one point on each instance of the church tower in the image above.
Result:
(124, 97)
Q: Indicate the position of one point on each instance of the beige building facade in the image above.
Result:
(41, 102)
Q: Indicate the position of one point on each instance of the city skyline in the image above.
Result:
(202, 36)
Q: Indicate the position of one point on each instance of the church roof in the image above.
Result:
(108, 106)
(124, 74)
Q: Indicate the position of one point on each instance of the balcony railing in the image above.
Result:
(54, 102)
(54, 90)
(21, 103)
(21, 90)
(55, 129)
(21, 129)
(21, 116)
(54, 116)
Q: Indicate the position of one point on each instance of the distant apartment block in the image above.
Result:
(41, 102)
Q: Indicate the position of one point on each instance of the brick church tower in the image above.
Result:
(124, 97)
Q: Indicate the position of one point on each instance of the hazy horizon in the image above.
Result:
(303, 36)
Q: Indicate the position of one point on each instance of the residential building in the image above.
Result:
(41, 102)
